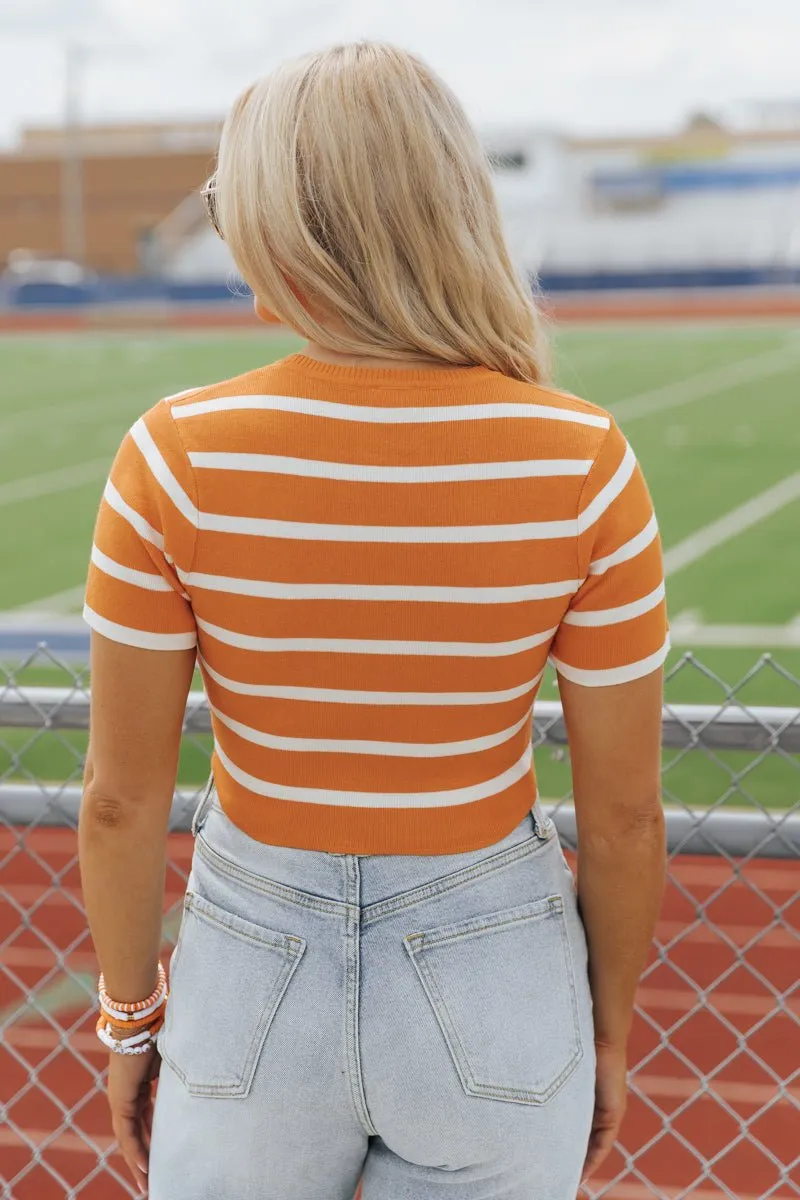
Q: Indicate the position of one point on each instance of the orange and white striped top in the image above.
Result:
(374, 566)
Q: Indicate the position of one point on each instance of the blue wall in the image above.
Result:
(137, 290)
(701, 177)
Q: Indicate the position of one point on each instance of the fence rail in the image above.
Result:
(684, 726)
(715, 1052)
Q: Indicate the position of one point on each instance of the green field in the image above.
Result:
(710, 409)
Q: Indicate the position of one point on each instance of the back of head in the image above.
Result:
(350, 182)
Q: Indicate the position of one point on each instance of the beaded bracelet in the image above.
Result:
(139, 1043)
(130, 1019)
(129, 1028)
(136, 1006)
(139, 1021)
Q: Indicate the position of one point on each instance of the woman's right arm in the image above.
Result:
(615, 747)
(609, 652)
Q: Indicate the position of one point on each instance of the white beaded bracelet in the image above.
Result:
(135, 1045)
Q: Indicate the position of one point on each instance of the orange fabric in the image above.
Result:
(375, 565)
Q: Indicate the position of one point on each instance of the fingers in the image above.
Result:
(134, 1151)
(600, 1145)
(130, 1097)
(147, 1122)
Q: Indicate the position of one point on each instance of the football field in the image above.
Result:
(710, 409)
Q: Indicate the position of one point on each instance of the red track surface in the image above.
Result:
(743, 1087)
(686, 304)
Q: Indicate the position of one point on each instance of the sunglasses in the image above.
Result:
(208, 193)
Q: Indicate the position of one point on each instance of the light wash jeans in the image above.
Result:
(422, 1020)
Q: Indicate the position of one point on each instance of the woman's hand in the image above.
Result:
(130, 1097)
(611, 1094)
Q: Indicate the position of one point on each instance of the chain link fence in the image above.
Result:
(715, 1053)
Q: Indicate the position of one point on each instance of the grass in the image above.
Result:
(67, 401)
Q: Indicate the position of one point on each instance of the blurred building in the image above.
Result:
(710, 198)
(130, 179)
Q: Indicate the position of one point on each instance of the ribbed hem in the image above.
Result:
(369, 831)
(444, 377)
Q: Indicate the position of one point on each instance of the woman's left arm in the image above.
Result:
(138, 704)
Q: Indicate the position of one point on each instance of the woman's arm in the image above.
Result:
(615, 746)
(138, 702)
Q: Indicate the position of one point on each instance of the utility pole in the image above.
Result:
(72, 209)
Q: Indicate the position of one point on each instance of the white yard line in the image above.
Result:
(707, 383)
(101, 408)
(688, 629)
(53, 607)
(701, 543)
(65, 479)
(30, 420)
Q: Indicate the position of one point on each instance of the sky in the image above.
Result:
(585, 66)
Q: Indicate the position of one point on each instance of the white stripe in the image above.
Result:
(388, 534)
(424, 800)
(179, 395)
(699, 544)
(142, 579)
(138, 637)
(614, 616)
(627, 550)
(423, 750)
(51, 483)
(362, 473)
(311, 531)
(246, 641)
(387, 416)
(608, 494)
(268, 590)
(341, 696)
(161, 472)
(134, 519)
(612, 675)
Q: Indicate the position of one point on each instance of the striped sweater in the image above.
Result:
(374, 566)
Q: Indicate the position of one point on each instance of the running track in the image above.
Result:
(743, 1086)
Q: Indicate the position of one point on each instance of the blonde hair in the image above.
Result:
(350, 181)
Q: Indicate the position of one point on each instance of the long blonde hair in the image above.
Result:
(350, 181)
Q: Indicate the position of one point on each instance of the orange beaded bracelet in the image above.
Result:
(138, 1006)
(129, 1028)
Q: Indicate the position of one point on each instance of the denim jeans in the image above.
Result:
(423, 1021)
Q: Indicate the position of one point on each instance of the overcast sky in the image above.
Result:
(583, 65)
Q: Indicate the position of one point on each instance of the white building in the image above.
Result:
(709, 199)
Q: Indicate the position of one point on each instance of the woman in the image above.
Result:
(372, 547)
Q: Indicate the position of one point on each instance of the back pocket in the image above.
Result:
(227, 978)
(502, 988)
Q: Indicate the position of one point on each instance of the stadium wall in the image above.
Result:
(137, 302)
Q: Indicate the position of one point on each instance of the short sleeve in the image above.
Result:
(615, 629)
(144, 542)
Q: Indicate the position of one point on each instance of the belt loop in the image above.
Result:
(203, 806)
(542, 824)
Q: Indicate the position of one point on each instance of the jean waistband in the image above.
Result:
(540, 823)
(222, 844)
